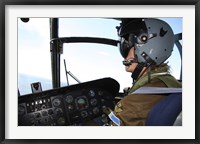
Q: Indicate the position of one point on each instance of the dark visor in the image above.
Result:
(124, 47)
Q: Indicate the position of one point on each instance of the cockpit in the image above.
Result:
(74, 75)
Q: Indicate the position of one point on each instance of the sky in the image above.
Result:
(86, 61)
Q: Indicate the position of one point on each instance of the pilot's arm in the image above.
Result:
(134, 108)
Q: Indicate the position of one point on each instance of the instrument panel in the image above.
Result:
(71, 105)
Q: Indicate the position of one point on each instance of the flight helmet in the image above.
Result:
(152, 39)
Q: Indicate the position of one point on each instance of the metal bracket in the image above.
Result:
(59, 45)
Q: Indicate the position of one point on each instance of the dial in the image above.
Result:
(100, 93)
(61, 121)
(84, 114)
(82, 103)
(69, 99)
(91, 93)
(58, 111)
(93, 102)
(56, 102)
(95, 110)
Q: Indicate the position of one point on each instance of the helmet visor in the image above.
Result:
(133, 41)
(124, 47)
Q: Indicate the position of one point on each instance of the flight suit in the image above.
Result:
(133, 109)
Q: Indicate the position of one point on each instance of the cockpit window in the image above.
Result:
(34, 61)
(89, 61)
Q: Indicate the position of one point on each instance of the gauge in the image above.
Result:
(43, 106)
(61, 121)
(58, 111)
(84, 114)
(56, 102)
(100, 92)
(95, 110)
(82, 103)
(93, 102)
(91, 93)
(69, 99)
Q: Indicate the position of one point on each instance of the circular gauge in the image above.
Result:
(91, 93)
(100, 92)
(56, 102)
(82, 103)
(93, 102)
(61, 121)
(84, 114)
(95, 110)
(69, 99)
(58, 111)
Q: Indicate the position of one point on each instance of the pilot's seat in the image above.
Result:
(167, 112)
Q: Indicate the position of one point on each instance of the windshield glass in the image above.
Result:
(34, 61)
(89, 61)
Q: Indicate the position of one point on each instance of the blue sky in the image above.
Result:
(86, 61)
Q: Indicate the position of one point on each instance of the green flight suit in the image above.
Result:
(133, 109)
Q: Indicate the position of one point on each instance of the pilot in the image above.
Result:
(145, 44)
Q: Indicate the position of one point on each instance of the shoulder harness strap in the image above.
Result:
(157, 90)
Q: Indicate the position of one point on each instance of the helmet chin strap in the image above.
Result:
(137, 71)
